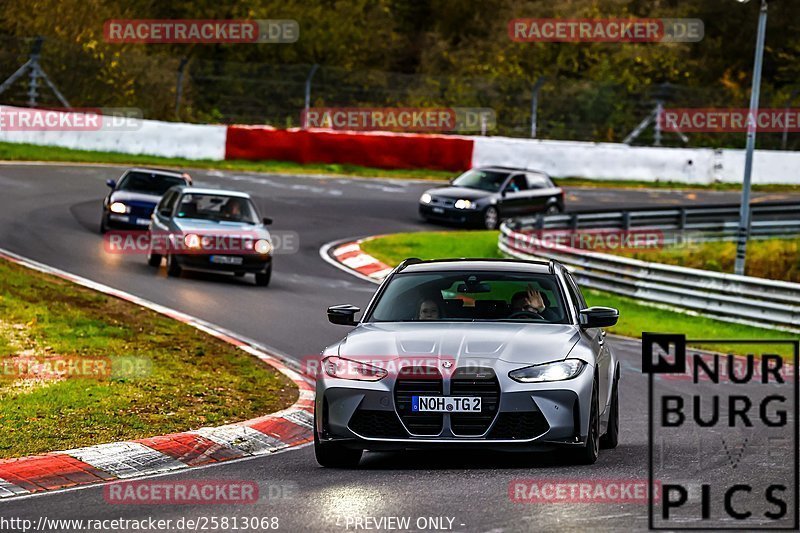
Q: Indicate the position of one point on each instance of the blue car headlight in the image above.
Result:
(555, 371)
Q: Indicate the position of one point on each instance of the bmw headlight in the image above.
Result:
(463, 204)
(119, 208)
(425, 198)
(557, 371)
(341, 368)
(262, 246)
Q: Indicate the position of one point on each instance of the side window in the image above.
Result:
(168, 201)
(517, 183)
(538, 181)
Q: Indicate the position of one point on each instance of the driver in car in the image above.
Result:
(530, 301)
(232, 209)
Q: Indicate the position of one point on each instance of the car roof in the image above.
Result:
(178, 173)
(186, 189)
(512, 169)
(482, 265)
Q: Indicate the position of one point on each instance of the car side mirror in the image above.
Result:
(266, 221)
(164, 213)
(343, 314)
(598, 317)
(111, 183)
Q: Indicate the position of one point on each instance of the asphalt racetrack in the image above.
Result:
(50, 213)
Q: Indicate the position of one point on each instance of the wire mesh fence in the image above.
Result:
(569, 106)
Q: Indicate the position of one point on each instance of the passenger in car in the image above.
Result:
(428, 309)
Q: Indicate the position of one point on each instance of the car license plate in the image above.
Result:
(439, 210)
(226, 260)
(445, 404)
(143, 221)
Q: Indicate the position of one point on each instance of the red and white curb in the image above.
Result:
(166, 453)
(347, 255)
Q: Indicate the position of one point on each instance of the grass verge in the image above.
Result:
(31, 152)
(768, 258)
(635, 317)
(57, 343)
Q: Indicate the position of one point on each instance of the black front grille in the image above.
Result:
(418, 381)
(377, 424)
(141, 209)
(480, 382)
(445, 202)
(519, 426)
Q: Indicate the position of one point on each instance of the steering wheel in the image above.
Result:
(526, 314)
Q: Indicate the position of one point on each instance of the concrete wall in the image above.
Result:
(151, 137)
(619, 161)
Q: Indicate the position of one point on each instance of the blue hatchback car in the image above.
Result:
(133, 198)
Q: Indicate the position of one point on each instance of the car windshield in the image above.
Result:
(218, 207)
(148, 182)
(485, 180)
(471, 296)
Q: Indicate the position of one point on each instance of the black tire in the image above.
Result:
(587, 454)
(103, 226)
(611, 437)
(332, 455)
(154, 260)
(552, 210)
(173, 268)
(491, 218)
(263, 278)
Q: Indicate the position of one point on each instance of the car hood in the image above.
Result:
(458, 193)
(511, 342)
(131, 196)
(210, 226)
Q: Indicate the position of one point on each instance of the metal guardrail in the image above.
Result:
(741, 299)
(767, 219)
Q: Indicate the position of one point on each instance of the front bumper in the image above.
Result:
(251, 263)
(114, 220)
(451, 214)
(373, 416)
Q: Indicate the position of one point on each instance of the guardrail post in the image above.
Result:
(626, 220)
(539, 224)
(682, 219)
(573, 221)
